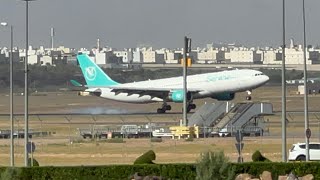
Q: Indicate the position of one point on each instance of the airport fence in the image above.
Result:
(62, 139)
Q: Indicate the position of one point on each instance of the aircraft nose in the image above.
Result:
(266, 78)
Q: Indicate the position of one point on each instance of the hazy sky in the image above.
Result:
(159, 23)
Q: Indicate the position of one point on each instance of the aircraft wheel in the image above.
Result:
(168, 107)
(248, 98)
(192, 106)
(160, 110)
(188, 109)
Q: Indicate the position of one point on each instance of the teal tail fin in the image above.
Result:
(92, 73)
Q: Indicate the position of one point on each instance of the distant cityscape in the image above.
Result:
(127, 57)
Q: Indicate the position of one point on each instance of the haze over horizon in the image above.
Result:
(123, 23)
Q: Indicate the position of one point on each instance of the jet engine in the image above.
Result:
(177, 96)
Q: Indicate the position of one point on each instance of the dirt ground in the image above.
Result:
(66, 147)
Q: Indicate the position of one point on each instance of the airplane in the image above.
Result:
(217, 85)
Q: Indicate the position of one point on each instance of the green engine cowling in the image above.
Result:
(224, 96)
(177, 96)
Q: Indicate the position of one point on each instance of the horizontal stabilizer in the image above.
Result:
(76, 83)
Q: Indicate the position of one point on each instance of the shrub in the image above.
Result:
(11, 174)
(146, 158)
(35, 163)
(258, 157)
(214, 165)
(169, 171)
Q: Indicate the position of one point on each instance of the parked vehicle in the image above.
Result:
(222, 133)
(298, 152)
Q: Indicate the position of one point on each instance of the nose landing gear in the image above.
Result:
(248, 98)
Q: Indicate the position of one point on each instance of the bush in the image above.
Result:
(258, 157)
(146, 158)
(35, 162)
(169, 171)
(11, 174)
(213, 165)
(219, 170)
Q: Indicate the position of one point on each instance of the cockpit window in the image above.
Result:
(259, 74)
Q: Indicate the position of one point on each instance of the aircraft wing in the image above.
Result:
(154, 92)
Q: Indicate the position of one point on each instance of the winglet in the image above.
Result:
(92, 73)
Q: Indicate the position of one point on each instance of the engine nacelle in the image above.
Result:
(224, 96)
(178, 96)
(97, 92)
(83, 93)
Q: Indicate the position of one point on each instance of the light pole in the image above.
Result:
(284, 118)
(26, 120)
(306, 118)
(186, 49)
(185, 81)
(11, 95)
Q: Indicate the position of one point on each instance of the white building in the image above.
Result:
(241, 55)
(126, 55)
(85, 51)
(65, 50)
(151, 56)
(296, 56)
(269, 57)
(33, 59)
(209, 55)
(170, 57)
(100, 58)
(223, 55)
(148, 55)
(15, 55)
(45, 60)
(137, 56)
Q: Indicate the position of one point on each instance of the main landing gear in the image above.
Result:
(191, 106)
(248, 98)
(164, 108)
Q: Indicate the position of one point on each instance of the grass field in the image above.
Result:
(66, 147)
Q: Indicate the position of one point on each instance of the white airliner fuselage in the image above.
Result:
(218, 85)
(236, 81)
